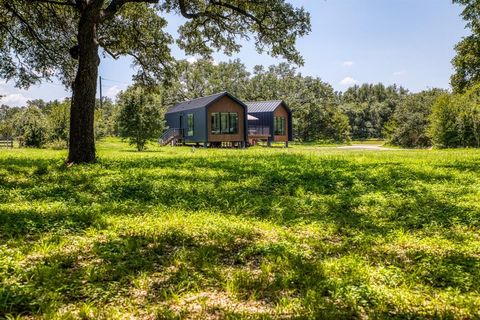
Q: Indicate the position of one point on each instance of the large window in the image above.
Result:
(279, 126)
(190, 125)
(224, 123)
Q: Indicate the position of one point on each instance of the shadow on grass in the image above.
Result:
(281, 188)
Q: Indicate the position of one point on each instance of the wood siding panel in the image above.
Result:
(281, 111)
(226, 104)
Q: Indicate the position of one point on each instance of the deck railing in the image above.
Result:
(170, 135)
(254, 130)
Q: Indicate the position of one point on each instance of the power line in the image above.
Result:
(110, 80)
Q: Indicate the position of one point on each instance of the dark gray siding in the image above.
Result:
(199, 124)
(265, 119)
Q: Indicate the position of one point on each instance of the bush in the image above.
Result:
(57, 144)
(31, 127)
(408, 127)
(58, 120)
(455, 120)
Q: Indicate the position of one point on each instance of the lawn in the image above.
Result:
(257, 234)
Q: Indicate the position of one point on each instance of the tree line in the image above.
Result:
(433, 117)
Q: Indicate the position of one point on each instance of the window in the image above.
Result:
(279, 126)
(224, 123)
(216, 123)
(190, 125)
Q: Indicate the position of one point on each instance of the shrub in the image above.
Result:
(58, 120)
(31, 127)
(455, 120)
(57, 144)
(408, 127)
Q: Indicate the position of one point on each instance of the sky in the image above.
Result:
(406, 42)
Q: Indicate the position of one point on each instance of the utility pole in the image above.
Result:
(101, 97)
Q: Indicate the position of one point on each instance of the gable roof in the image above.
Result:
(263, 106)
(202, 102)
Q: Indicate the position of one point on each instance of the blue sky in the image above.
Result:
(407, 42)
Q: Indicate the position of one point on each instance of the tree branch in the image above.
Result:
(183, 11)
(196, 15)
(62, 3)
(30, 29)
(236, 9)
(115, 6)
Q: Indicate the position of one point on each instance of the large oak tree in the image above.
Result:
(42, 39)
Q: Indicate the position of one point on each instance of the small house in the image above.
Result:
(216, 120)
(269, 121)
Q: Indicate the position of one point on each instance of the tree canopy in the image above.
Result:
(467, 61)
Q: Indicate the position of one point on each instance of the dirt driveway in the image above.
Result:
(366, 147)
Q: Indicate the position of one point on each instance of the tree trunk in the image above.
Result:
(82, 137)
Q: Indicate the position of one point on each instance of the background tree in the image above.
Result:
(106, 117)
(30, 127)
(312, 101)
(369, 107)
(409, 124)
(467, 61)
(455, 120)
(7, 115)
(58, 121)
(41, 39)
(140, 117)
(204, 77)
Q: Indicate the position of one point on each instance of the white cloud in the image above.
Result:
(348, 64)
(112, 92)
(400, 73)
(14, 99)
(348, 81)
(192, 60)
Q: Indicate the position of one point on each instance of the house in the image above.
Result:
(269, 121)
(216, 120)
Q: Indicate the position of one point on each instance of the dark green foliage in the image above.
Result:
(58, 120)
(203, 78)
(30, 127)
(369, 107)
(455, 120)
(409, 124)
(7, 115)
(467, 60)
(140, 116)
(106, 118)
(466, 63)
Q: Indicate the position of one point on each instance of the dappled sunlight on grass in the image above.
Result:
(257, 233)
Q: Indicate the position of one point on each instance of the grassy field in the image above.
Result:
(257, 234)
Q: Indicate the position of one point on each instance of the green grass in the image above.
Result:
(257, 234)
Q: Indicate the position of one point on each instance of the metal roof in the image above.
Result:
(196, 103)
(263, 106)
